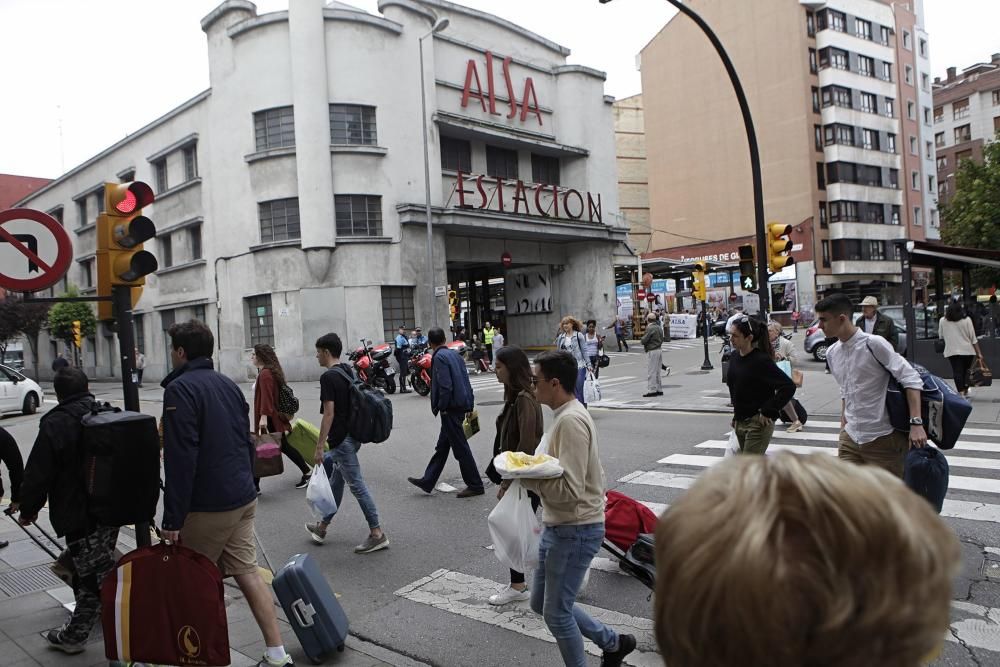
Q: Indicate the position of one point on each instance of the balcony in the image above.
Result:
(868, 193)
(866, 231)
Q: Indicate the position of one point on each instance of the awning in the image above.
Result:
(923, 253)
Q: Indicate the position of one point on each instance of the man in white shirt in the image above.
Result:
(861, 364)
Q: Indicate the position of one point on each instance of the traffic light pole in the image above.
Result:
(707, 364)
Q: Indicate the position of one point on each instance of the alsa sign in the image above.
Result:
(536, 199)
(473, 89)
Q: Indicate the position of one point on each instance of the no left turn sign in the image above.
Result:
(35, 251)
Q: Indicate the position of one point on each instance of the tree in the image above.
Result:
(62, 316)
(972, 218)
(20, 318)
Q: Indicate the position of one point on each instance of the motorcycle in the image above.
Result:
(420, 365)
(371, 363)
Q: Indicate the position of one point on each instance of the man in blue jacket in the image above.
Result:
(451, 397)
(209, 501)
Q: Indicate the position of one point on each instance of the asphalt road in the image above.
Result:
(425, 595)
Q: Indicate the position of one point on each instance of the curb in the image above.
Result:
(356, 643)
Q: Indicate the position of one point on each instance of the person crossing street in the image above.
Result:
(652, 343)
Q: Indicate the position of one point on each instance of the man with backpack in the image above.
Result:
(337, 392)
(452, 397)
(54, 473)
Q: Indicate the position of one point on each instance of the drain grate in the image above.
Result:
(22, 582)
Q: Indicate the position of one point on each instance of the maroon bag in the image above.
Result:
(164, 604)
(267, 461)
(625, 518)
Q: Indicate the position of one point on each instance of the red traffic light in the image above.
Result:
(126, 198)
(127, 205)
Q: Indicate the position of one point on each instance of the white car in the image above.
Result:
(18, 393)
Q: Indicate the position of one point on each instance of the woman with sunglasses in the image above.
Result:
(519, 429)
(757, 387)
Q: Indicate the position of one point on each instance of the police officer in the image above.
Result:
(402, 354)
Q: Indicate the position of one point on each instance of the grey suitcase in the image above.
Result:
(312, 609)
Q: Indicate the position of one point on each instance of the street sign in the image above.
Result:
(751, 303)
(651, 297)
(440, 290)
(640, 294)
(506, 260)
(35, 251)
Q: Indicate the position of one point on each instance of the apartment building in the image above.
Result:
(633, 182)
(966, 116)
(837, 94)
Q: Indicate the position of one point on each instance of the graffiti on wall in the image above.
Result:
(528, 290)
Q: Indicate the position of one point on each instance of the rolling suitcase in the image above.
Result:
(312, 609)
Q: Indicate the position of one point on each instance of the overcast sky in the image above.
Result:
(57, 109)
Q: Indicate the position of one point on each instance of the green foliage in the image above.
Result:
(62, 315)
(972, 218)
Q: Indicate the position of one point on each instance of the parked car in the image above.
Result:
(18, 393)
(815, 341)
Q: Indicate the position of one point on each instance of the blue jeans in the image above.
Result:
(342, 465)
(563, 558)
(452, 439)
(581, 377)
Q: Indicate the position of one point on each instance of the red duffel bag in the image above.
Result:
(625, 518)
(164, 604)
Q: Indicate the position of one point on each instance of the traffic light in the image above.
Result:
(778, 246)
(453, 303)
(748, 270)
(121, 231)
(698, 282)
(77, 334)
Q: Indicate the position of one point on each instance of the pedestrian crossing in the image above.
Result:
(636, 348)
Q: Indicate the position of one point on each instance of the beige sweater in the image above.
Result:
(959, 337)
(577, 497)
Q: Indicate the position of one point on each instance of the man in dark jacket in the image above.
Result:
(209, 499)
(55, 473)
(874, 322)
(451, 397)
(10, 455)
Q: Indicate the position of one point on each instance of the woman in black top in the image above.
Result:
(757, 387)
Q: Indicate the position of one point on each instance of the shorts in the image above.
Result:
(225, 538)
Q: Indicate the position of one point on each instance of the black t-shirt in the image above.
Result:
(333, 386)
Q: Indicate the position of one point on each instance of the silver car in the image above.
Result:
(816, 342)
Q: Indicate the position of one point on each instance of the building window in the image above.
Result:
(818, 137)
(839, 134)
(938, 114)
(837, 95)
(352, 124)
(160, 174)
(925, 82)
(127, 177)
(890, 143)
(928, 150)
(99, 200)
(820, 176)
(823, 222)
(960, 109)
(895, 215)
(930, 184)
(139, 320)
(199, 312)
(927, 115)
(826, 254)
(942, 163)
(863, 29)
(812, 61)
(843, 211)
(890, 107)
(87, 272)
(81, 211)
(874, 214)
(358, 215)
(884, 33)
(913, 145)
(166, 250)
(274, 128)
(996, 125)
(963, 133)
(815, 97)
(456, 154)
(876, 251)
(260, 320)
(939, 139)
(544, 169)
(911, 110)
(833, 57)
(397, 310)
(894, 179)
(190, 162)
(194, 241)
(922, 45)
(866, 66)
(57, 213)
(886, 71)
(810, 24)
(279, 219)
(908, 74)
(501, 162)
(996, 97)
(906, 40)
(962, 156)
(934, 219)
(837, 20)
(870, 139)
(915, 180)
(918, 218)
(868, 102)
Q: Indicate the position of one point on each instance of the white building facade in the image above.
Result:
(290, 196)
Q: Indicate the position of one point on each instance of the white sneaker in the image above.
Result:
(508, 595)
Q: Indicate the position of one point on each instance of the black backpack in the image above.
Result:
(121, 465)
(288, 405)
(370, 416)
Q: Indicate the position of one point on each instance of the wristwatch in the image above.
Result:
(916, 421)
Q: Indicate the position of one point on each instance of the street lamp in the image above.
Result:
(758, 187)
(439, 25)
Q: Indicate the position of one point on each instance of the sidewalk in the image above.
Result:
(33, 601)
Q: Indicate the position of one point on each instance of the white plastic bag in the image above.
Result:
(512, 465)
(319, 494)
(733, 447)
(591, 389)
(515, 530)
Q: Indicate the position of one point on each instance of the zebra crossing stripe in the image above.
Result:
(968, 431)
(808, 436)
(467, 596)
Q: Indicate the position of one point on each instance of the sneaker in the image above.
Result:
(794, 428)
(508, 595)
(284, 662)
(667, 371)
(650, 394)
(372, 544)
(626, 644)
(55, 640)
(317, 531)
(304, 482)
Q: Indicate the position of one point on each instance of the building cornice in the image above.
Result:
(177, 145)
(363, 17)
(256, 22)
(225, 8)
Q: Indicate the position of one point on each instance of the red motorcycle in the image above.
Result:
(420, 365)
(371, 363)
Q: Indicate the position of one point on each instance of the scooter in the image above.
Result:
(420, 365)
(371, 363)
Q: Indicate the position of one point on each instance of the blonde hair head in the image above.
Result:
(775, 325)
(801, 560)
(569, 319)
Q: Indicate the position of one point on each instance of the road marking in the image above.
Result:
(960, 461)
(465, 595)
(807, 436)
(653, 478)
(954, 482)
(982, 632)
(981, 432)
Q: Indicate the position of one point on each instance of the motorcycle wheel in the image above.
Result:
(420, 386)
(390, 386)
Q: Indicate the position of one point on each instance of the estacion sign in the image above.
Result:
(545, 200)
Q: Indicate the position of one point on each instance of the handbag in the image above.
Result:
(785, 366)
(979, 374)
(939, 346)
(591, 389)
(471, 423)
(267, 461)
(926, 472)
(603, 361)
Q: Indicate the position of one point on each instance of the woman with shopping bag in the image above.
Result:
(519, 429)
(266, 417)
(784, 355)
(961, 346)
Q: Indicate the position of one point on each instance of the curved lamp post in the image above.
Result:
(758, 187)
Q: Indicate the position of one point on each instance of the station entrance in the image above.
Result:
(479, 298)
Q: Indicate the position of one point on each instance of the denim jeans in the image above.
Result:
(563, 558)
(342, 465)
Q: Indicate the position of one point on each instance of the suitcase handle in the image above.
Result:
(304, 613)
